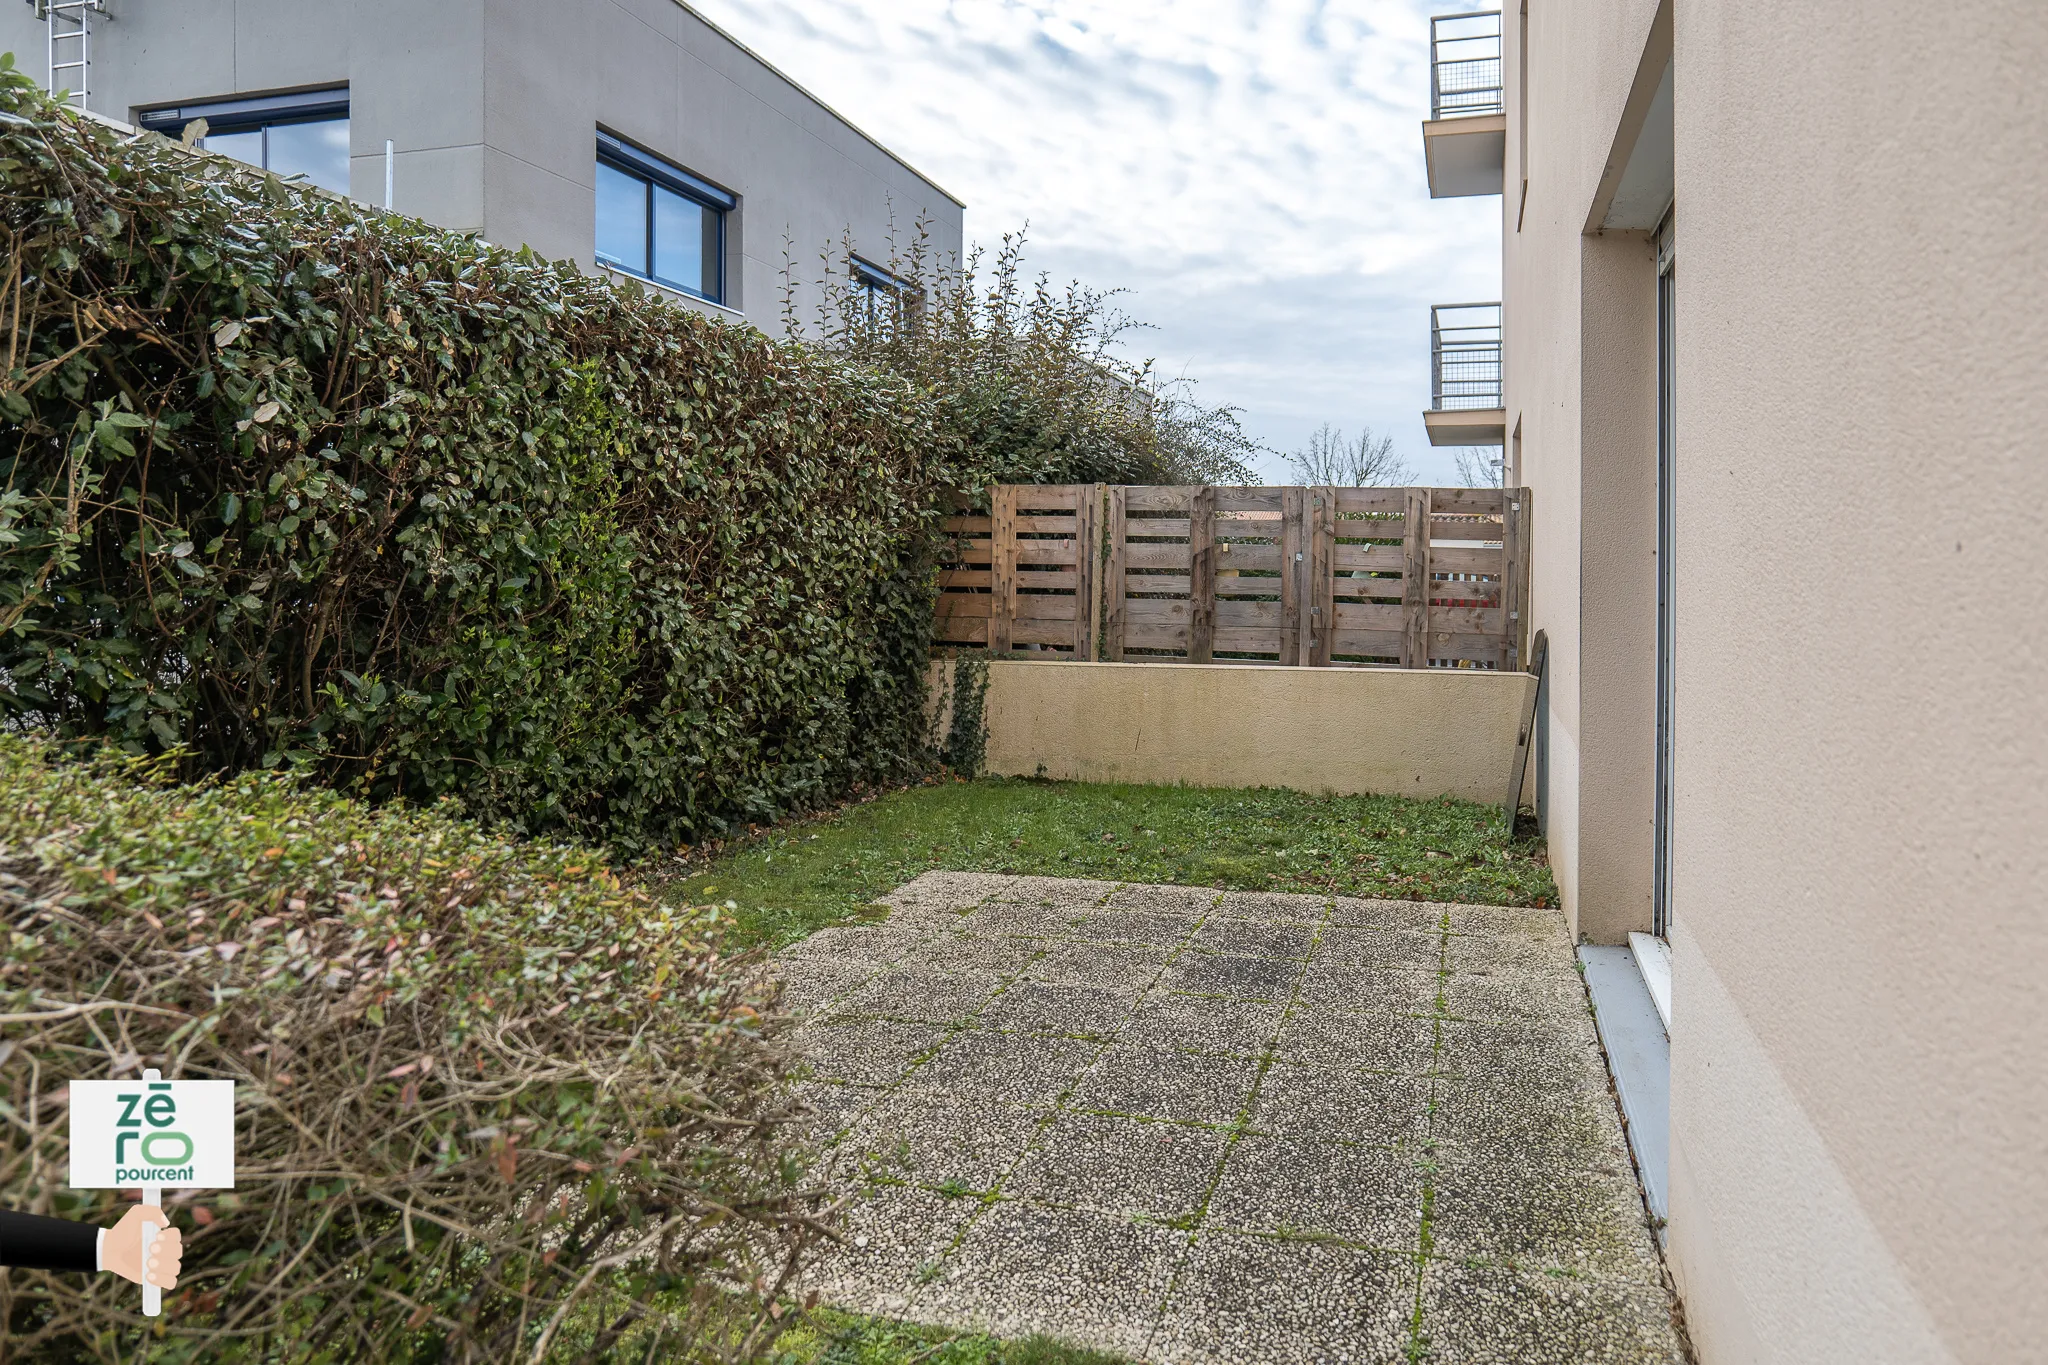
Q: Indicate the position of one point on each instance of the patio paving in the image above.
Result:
(1208, 1128)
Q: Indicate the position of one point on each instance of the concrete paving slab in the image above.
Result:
(1027, 919)
(1235, 1162)
(894, 1238)
(1024, 1069)
(1274, 1301)
(1319, 1105)
(1353, 1040)
(997, 955)
(1582, 1216)
(1057, 891)
(1255, 938)
(881, 944)
(1550, 997)
(1056, 1007)
(946, 891)
(1509, 919)
(1129, 967)
(812, 986)
(1381, 950)
(1195, 902)
(1334, 985)
(1119, 1165)
(1476, 1315)
(1314, 1189)
(1549, 1118)
(1134, 926)
(1277, 907)
(835, 1106)
(1023, 1268)
(1372, 914)
(1203, 1023)
(1151, 1083)
(1249, 978)
(866, 1051)
(1510, 949)
(937, 1139)
(1478, 1049)
(925, 996)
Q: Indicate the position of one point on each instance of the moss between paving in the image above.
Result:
(792, 880)
(1227, 1167)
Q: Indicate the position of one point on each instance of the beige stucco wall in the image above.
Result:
(1859, 1171)
(1419, 732)
(1860, 1082)
(1575, 313)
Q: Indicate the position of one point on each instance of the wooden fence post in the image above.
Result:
(1202, 575)
(1319, 592)
(1087, 559)
(1002, 576)
(1293, 569)
(1114, 585)
(1415, 584)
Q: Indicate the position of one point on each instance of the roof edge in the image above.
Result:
(798, 86)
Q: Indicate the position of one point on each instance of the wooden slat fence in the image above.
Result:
(1315, 577)
(1026, 573)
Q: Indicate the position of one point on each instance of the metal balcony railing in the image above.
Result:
(1464, 65)
(1464, 357)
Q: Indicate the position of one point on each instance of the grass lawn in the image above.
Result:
(797, 878)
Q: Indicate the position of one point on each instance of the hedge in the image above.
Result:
(288, 482)
(471, 1073)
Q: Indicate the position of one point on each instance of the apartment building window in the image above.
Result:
(659, 222)
(300, 134)
(881, 293)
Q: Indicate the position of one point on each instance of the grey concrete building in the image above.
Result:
(629, 135)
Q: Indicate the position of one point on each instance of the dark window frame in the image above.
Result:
(643, 165)
(249, 114)
(877, 283)
(241, 114)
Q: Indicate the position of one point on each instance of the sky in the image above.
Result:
(1250, 172)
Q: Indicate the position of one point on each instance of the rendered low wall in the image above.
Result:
(1405, 732)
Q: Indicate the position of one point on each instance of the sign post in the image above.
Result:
(154, 1135)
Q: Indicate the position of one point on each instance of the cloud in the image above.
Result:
(1251, 171)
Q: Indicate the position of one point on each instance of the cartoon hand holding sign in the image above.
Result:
(148, 1134)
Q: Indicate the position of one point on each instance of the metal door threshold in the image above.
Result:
(1639, 1058)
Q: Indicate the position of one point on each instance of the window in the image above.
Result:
(660, 222)
(881, 294)
(304, 134)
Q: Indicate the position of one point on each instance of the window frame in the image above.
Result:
(645, 166)
(249, 114)
(875, 282)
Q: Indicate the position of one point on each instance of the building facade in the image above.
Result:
(1772, 340)
(628, 135)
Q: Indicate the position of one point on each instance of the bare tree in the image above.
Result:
(1480, 466)
(1331, 460)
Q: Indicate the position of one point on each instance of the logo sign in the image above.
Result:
(130, 1134)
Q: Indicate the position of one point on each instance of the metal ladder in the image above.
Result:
(70, 33)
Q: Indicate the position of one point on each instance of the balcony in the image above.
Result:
(1465, 141)
(1466, 407)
